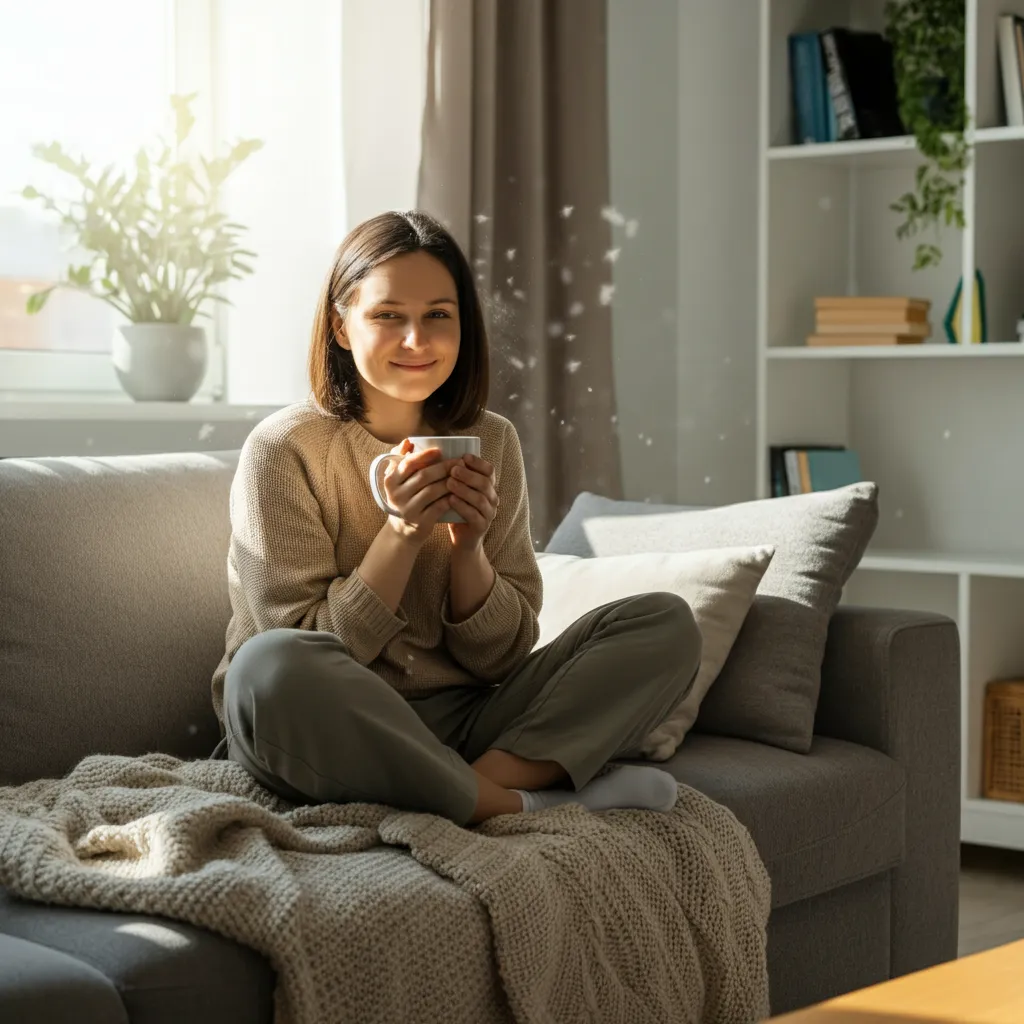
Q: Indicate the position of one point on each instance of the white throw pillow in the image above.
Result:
(719, 586)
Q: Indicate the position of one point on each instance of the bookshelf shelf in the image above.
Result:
(893, 151)
(928, 350)
(1004, 133)
(943, 563)
(942, 441)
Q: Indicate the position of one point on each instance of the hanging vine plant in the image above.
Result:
(927, 38)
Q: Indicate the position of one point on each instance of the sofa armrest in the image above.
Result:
(891, 680)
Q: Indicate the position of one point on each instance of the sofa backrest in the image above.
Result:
(113, 607)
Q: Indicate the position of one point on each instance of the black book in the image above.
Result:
(862, 83)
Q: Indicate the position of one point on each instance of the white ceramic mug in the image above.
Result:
(451, 448)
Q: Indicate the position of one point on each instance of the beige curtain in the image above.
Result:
(515, 163)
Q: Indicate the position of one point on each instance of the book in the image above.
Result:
(827, 470)
(839, 90)
(870, 302)
(862, 84)
(1010, 66)
(908, 314)
(915, 329)
(825, 340)
(804, 86)
(821, 94)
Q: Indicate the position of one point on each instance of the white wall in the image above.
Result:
(643, 98)
(718, 125)
(384, 53)
(278, 78)
(683, 124)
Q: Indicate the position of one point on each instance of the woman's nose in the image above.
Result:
(415, 337)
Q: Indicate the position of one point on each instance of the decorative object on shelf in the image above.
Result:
(161, 250)
(979, 320)
(870, 320)
(1004, 741)
(1020, 329)
(928, 44)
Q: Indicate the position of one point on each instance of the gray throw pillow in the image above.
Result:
(768, 688)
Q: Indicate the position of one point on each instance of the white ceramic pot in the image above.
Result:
(160, 362)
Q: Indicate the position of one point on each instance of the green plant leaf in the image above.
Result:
(37, 300)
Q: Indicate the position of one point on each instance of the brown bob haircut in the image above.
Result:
(458, 402)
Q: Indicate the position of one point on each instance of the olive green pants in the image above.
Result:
(315, 726)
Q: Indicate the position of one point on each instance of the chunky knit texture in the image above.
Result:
(302, 519)
(561, 915)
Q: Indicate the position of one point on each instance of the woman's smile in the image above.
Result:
(415, 367)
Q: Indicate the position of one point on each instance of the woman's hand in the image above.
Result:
(417, 487)
(472, 495)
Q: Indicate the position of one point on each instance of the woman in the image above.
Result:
(390, 659)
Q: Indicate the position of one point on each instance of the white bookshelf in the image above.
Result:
(940, 427)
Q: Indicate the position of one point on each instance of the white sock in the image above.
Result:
(627, 786)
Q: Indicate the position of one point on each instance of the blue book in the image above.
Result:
(831, 469)
(813, 43)
(801, 71)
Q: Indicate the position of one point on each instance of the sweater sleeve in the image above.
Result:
(285, 559)
(499, 636)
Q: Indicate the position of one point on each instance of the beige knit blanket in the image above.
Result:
(624, 916)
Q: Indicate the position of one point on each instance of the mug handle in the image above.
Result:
(377, 486)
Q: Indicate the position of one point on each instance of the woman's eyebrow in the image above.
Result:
(433, 302)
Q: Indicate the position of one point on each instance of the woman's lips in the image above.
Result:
(415, 369)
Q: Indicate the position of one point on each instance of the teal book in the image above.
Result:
(831, 469)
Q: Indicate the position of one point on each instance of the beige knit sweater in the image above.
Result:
(302, 519)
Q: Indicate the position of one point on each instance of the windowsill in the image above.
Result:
(112, 407)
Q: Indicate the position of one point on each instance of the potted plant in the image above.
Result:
(161, 249)
(927, 38)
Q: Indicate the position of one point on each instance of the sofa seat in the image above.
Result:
(42, 984)
(819, 820)
(158, 971)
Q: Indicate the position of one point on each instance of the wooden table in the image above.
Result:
(986, 988)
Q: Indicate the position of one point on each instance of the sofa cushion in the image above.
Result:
(113, 585)
(166, 971)
(719, 586)
(820, 820)
(768, 688)
(42, 984)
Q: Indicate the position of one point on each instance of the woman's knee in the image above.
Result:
(672, 617)
(273, 663)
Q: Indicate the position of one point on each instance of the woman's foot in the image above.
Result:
(636, 786)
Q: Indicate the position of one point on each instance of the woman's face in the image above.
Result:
(402, 328)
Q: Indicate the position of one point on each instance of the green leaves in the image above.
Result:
(160, 245)
(928, 53)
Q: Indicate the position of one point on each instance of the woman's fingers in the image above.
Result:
(473, 516)
(425, 497)
(474, 482)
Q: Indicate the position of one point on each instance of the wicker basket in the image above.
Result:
(1004, 740)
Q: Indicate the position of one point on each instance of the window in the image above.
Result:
(97, 78)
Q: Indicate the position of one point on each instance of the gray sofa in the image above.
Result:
(113, 604)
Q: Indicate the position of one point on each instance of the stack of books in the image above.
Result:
(807, 468)
(867, 320)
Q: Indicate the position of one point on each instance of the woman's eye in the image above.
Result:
(439, 313)
(386, 315)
